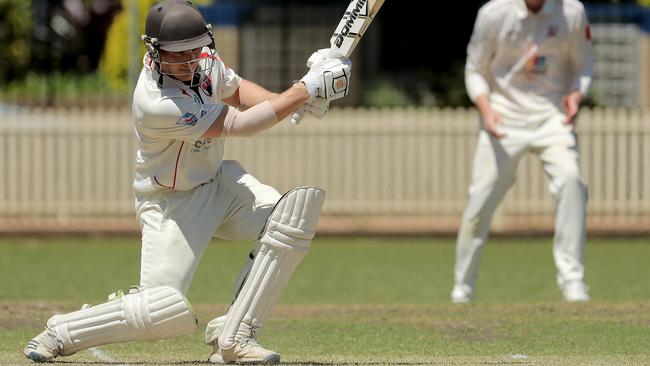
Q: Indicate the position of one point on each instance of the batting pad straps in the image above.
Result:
(283, 244)
(153, 313)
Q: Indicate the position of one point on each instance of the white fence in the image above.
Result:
(384, 170)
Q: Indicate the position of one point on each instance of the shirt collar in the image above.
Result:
(547, 8)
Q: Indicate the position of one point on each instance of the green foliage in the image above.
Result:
(420, 87)
(62, 89)
(384, 93)
(116, 59)
(15, 30)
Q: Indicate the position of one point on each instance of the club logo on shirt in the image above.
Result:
(537, 64)
(206, 85)
(187, 119)
(552, 31)
(202, 145)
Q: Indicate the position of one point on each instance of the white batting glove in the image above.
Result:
(329, 78)
(317, 107)
(318, 56)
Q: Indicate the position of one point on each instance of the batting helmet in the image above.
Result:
(175, 25)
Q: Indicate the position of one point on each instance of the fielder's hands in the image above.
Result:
(571, 105)
(491, 123)
(490, 118)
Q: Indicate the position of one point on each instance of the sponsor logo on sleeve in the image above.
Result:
(187, 119)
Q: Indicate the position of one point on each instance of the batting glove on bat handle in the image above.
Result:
(329, 79)
(297, 116)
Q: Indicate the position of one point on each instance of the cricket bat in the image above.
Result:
(348, 32)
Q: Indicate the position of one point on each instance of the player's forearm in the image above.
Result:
(264, 115)
(475, 83)
(482, 103)
(290, 100)
(251, 94)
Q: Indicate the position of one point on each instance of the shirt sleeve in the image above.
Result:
(230, 80)
(480, 52)
(582, 55)
(179, 118)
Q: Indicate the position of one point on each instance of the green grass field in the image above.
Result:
(358, 301)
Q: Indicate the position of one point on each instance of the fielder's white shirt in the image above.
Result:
(169, 121)
(526, 62)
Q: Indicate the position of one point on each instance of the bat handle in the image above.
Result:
(297, 116)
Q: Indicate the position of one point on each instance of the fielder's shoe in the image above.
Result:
(575, 291)
(43, 347)
(462, 294)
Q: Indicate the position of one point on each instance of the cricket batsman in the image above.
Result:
(529, 66)
(185, 104)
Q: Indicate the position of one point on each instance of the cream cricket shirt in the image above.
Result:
(526, 61)
(169, 122)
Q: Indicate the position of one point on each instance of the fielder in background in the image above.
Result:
(529, 65)
(185, 104)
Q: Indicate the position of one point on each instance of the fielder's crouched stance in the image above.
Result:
(186, 103)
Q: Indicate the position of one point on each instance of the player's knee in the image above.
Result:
(292, 224)
(570, 180)
(568, 183)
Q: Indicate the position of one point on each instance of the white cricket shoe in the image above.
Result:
(43, 347)
(246, 352)
(575, 291)
(462, 294)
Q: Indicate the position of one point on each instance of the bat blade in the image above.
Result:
(347, 34)
(353, 25)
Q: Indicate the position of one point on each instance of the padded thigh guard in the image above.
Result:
(152, 313)
(282, 246)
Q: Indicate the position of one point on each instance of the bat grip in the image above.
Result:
(297, 116)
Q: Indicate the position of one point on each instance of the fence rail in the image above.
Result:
(403, 169)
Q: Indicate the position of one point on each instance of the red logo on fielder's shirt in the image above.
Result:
(588, 33)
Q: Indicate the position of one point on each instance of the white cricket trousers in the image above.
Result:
(178, 225)
(495, 166)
